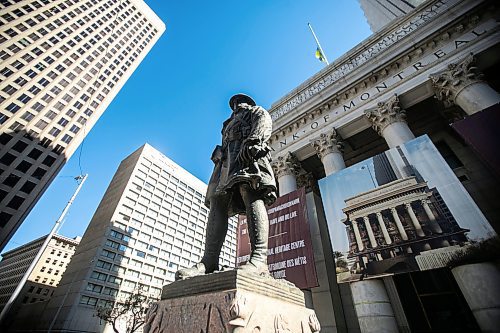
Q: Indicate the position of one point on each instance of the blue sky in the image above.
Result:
(178, 97)
(344, 184)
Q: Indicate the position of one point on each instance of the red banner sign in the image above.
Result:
(290, 252)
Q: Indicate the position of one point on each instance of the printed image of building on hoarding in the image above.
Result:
(400, 211)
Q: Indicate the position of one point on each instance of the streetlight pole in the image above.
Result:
(81, 179)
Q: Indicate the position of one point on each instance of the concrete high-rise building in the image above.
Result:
(46, 274)
(150, 222)
(61, 64)
(380, 12)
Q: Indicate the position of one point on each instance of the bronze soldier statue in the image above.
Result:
(242, 183)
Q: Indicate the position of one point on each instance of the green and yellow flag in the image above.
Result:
(319, 51)
(319, 55)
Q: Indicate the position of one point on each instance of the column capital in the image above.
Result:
(306, 180)
(327, 143)
(448, 83)
(287, 164)
(386, 113)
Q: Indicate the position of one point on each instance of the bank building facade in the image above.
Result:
(395, 145)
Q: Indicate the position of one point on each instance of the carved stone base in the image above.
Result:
(232, 301)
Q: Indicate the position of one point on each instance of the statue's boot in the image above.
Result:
(216, 232)
(258, 231)
(185, 273)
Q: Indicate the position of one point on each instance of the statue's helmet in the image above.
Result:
(241, 98)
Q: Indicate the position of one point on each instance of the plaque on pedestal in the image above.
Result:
(231, 301)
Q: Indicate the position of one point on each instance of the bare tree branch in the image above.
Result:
(131, 311)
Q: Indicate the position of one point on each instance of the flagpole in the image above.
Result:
(317, 42)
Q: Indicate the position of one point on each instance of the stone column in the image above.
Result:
(389, 120)
(480, 287)
(435, 227)
(399, 225)
(461, 84)
(373, 307)
(361, 246)
(286, 169)
(329, 148)
(414, 220)
(371, 236)
(381, 222)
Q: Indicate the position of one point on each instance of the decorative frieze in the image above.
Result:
(285, 165)
(386, 113)
(448, 83)
(394, 68)
(426, 53)
(328, 143)
(368, 53)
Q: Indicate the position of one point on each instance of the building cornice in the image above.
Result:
(150, 14)
(374, 75)
(366, 52)
(396, 193)
(73, 241)
(36, 243)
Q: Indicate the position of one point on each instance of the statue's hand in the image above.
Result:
(251, 150)
(244, 155)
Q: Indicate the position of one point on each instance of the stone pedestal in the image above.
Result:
(232, 301)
